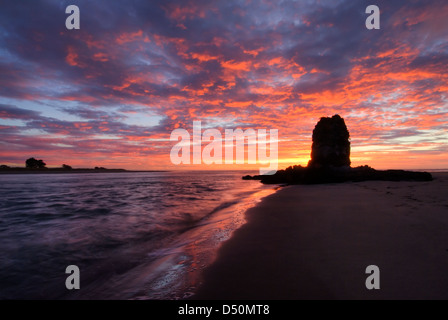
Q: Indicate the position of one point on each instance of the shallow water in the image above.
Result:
(133, 235)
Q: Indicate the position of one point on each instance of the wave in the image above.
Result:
(114, 224)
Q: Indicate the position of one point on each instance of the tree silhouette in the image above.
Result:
(32, 163)
(66, 167)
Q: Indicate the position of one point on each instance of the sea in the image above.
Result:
(133, 235)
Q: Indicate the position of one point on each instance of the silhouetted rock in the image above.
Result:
(66, 167)
(330, 161)
(331, 144)
(304, 175)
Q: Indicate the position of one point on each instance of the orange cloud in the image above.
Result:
(72, 57)
(126, 37)
(100, 56)
(236, 65)
(182, 12)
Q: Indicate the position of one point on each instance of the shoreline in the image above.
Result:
(316, 241)
(175, 268)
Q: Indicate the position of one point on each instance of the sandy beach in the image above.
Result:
(315, 242)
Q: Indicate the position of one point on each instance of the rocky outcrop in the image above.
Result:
(331, 144)
(306, 175)
(330, 161)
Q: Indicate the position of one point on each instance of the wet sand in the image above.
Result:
(315, 242)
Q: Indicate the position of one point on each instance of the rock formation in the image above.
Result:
(330, 161)
(331, 144)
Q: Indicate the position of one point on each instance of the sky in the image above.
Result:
(111, 93)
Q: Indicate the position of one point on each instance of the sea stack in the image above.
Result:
(331, 143)
(330, 161)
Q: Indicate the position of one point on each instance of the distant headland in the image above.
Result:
(34, 166)
(330, 161)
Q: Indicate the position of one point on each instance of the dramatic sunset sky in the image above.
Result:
(111, 93)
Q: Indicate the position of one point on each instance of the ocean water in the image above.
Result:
(133, 235)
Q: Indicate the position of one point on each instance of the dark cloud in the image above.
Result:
(93, 114)
(13, 112)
